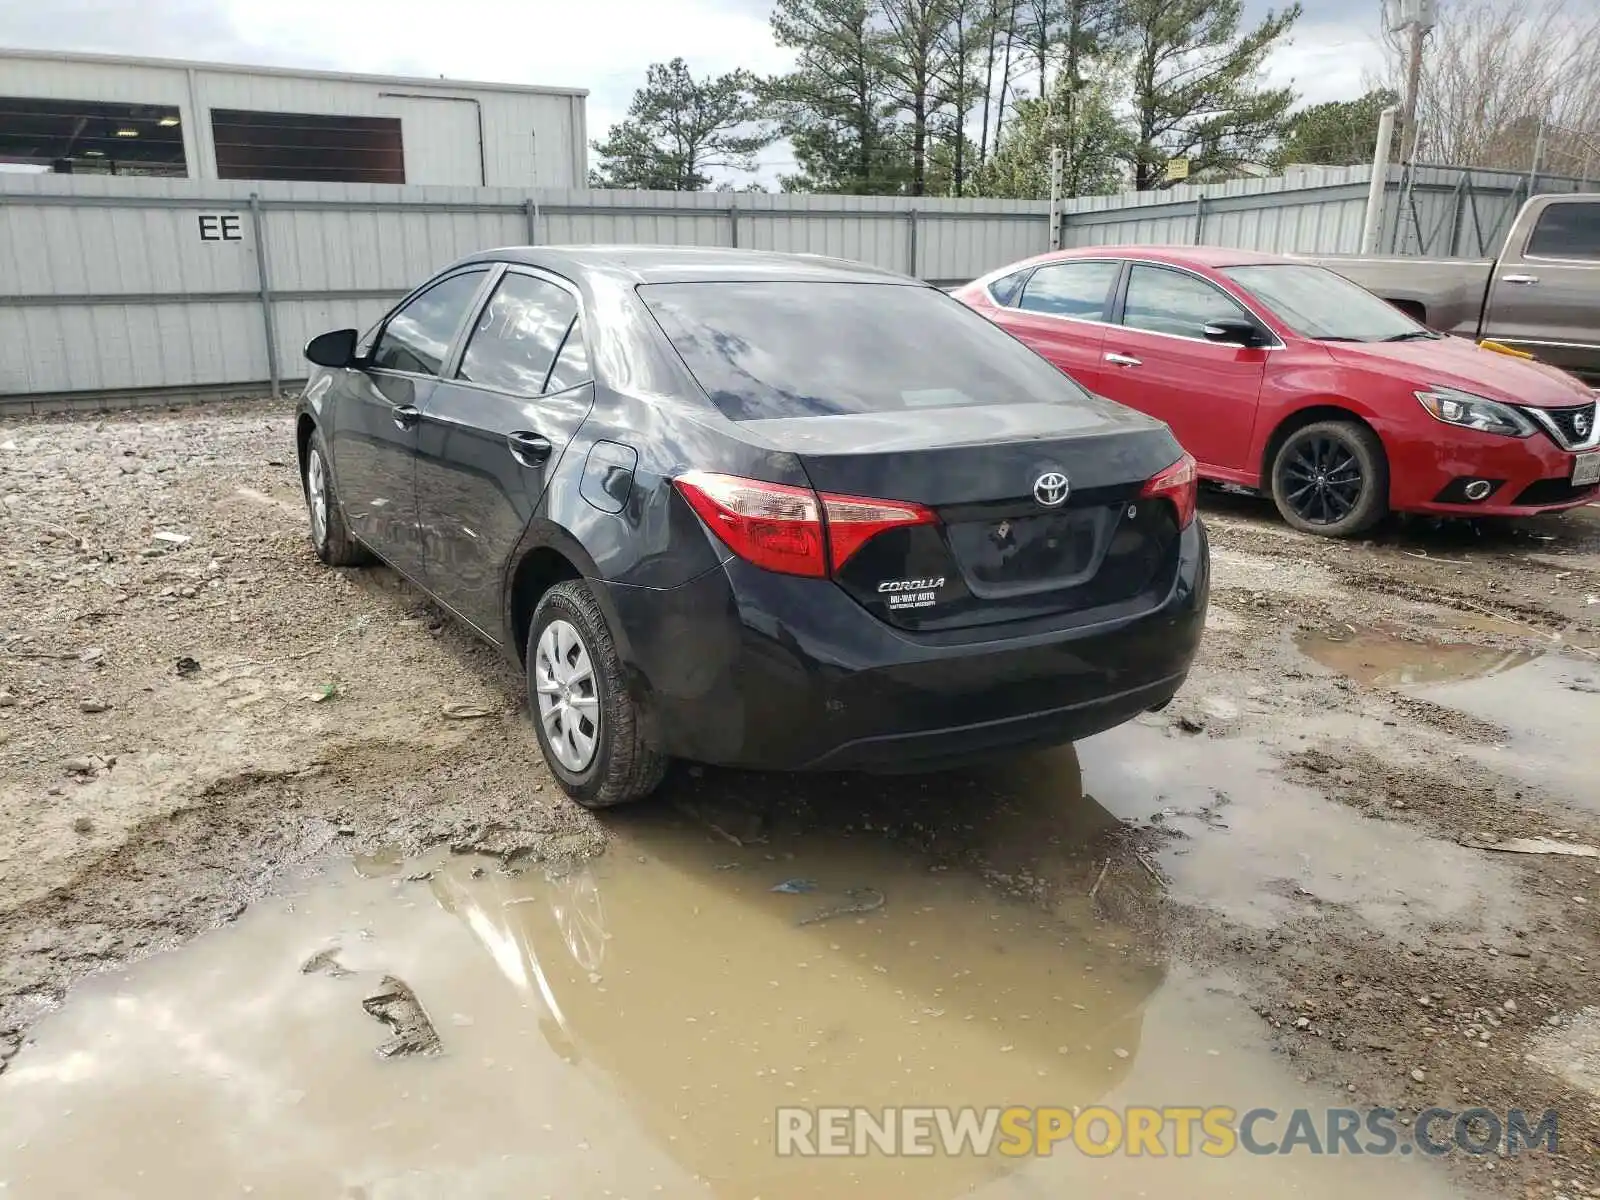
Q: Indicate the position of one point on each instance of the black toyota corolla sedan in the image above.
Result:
(762, 510)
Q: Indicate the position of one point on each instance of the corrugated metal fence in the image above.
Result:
(1435, 211)
(126, 288)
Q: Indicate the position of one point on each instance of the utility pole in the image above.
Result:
(1377, 188)
(1408, 139)
(1415, 19)
(1538, 160)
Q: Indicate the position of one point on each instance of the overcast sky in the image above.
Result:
(601, 45)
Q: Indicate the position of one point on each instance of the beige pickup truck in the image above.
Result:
(1541, 296)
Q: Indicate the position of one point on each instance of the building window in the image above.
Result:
(264, 145)
(88, 137)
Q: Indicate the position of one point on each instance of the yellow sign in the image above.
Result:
(1177, 168)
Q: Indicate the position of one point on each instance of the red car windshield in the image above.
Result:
(1317, 303)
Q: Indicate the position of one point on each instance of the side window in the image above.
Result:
(572, 364)
(1006, 289)
(1077, 289)
(1164, 301)
(518, 335)
(1567, 231)
(417, 338)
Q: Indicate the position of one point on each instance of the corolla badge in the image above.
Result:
(1051, 489)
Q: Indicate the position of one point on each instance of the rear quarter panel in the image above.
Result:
(654, 540)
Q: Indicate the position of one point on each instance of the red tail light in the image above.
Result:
(1179, 483)
(853, 522)
(784, 528)
(768, 524)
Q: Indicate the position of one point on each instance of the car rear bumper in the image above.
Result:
(743, 667)
(1529, 476)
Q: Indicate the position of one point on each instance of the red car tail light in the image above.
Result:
(1180, 484)
(768, 524)
(781, 528)
(853, 521)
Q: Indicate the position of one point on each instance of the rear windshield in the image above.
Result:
(804, 349)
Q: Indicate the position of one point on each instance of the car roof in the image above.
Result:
(689, 264)
(1184, 256)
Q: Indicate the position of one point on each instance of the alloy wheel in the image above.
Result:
(569, 702)
(1322, 480)
(317, 498)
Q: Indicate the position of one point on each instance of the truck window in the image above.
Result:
(1567, 231)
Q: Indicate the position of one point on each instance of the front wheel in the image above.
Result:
(586, 720)
(1331, 479)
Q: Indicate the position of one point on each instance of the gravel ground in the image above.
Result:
(190, 704)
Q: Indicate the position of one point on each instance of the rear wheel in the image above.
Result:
(1332, 479)
(586, 720)
(330, 536)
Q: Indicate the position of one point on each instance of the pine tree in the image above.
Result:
(1194, 90)
(963, 42)
(1339, 133)
(831, 106)
(678, 128)
(914, 51)
(1093, 140)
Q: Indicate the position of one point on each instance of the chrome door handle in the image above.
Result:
(1124, 360)
(406, 415)
(1524, 279)
(529, 449)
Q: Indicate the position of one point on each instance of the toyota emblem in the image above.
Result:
(1050, 489)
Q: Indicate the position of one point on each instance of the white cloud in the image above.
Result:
(1327, 62)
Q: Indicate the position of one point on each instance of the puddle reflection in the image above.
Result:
(711, 999)
(1381, 659)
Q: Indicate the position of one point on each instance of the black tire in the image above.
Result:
(1312, 475)
(621, 767)
(330, 537)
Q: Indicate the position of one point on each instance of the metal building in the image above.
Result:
(106, 115)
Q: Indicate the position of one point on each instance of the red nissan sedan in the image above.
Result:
(1285, 377)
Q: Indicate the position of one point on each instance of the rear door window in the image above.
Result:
(517, 336)
(572, 364)
(1079, 289)
(1174, 302)
(1567, 231)
(417, 338)
(802, 349)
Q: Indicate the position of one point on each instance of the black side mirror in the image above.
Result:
(336, 349)
(1235, 331)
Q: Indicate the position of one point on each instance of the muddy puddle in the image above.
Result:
(1380, 658)
(631, 1026)
(1545, 697)
(1550, 710)
(1248, 844)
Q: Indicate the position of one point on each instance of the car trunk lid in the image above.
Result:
(1039, 509)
